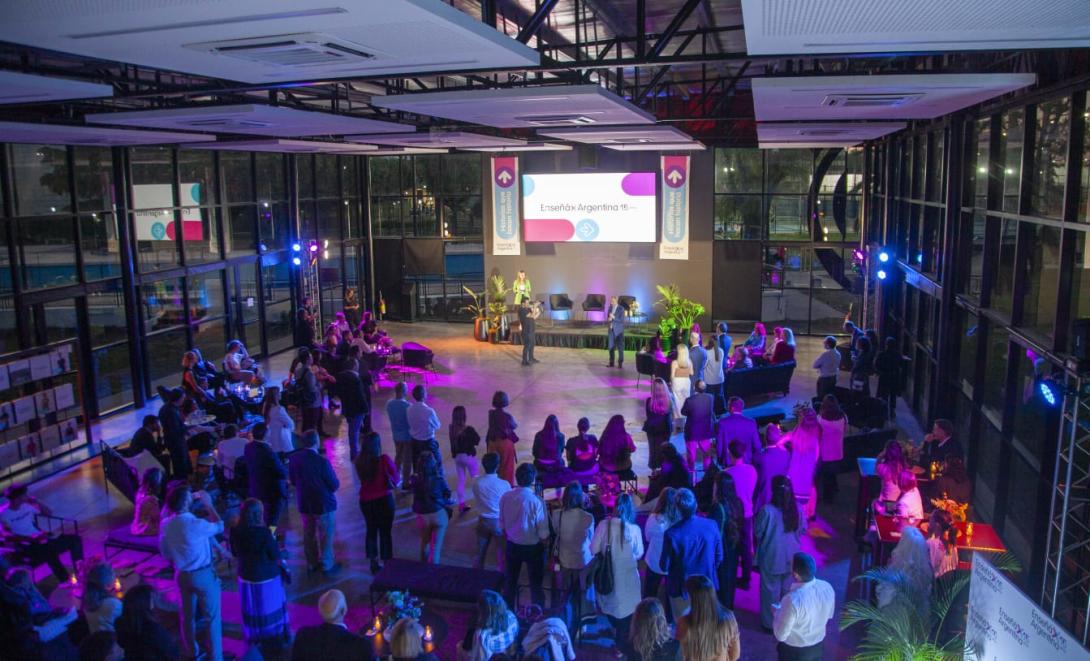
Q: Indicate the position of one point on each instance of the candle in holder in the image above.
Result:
(117, 585)
(427, 633)
(969, 530)
(73, 580)
(376, 627)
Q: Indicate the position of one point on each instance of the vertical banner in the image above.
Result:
(505, 206)
(1006, 624)
(675, 208)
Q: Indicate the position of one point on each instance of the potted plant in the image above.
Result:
(680, 313)
(480, 314)
(497, 309)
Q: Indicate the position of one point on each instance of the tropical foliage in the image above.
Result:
(678, 312)
(477, 308)
(497, 298)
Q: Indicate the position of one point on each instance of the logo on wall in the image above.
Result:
(505, 206)
(675, 208)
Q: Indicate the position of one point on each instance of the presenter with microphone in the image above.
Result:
(615, 339)
(521, 287)
(528, 314)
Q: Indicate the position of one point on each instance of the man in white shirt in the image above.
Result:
(186, 541)
(423, 423)
(487, 490)
(828, 366)
(799, 619)
(745, 483)
(229, 449)
(524, 524)
(19, 519)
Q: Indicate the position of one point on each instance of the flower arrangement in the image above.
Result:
(399, 604)
(608, 487)
(956, 510)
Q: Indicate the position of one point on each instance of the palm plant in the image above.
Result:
(681, 311)
(911, 627)
(477, 308)
(497, 298)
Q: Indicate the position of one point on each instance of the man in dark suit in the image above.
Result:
(940, 443)
(146, 439)
(174, 434)
(699, 413)
(316, 488)
(528, 321)
(615, 338)
(331, 639)
(736, 427)
(770, 462)
(691, 547)
(266, 475)
(354, 391)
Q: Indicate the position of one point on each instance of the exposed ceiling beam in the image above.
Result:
(668, 34)
(536, 21)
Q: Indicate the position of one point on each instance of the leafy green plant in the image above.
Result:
(497, 297)
(477, 308)
(680, 311)
(910, 628)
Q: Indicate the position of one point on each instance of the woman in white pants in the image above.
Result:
(681, 371)
(463, 447)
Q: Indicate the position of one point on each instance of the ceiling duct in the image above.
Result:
(290, 50)
(867, 100)
(556, 120)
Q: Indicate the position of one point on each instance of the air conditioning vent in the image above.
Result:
(867, 100)
(226, 124)
(556, 120)
(824, 132)
(290, 50)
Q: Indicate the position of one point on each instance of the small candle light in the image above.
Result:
(73, 580)
(376, 626)
(117, 585)
(427, 633)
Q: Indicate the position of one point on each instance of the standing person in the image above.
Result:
(138, 630)
(708, 632)
(574, 527)
(331, 639)
(862, 367)
(681, 369)
(833, 425)
(463, 447)
(174, 434)
(745, 484)
(650, 638)
(805, 443)
(616, 447)
(528, 314)
(622, 536)
(615, 333)
(714, 375)
(778, 531)
(582, 449)
(699, 412)
(723, 339)
(698, 356)
(431, 497)
(521, 287)
(549, 447)
(281, 428)
(378, 478)
(397, 413)
(266, 474)
(525, 526)
(654, 531)
(770, 462)
(186, 542)
(353, 388)
(423, 423)
(799, 623)
(828, 367)
(736, 426)
(487, 491)
(659, 421)
(310, 392)
(260, 587)
(316, 487)
(728, 513)
(501, 436)
(889, 364)
(691, 546)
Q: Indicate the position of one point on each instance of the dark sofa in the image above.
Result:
(759, 380)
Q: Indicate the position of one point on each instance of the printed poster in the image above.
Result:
(45, 402)
(675, 208)
(24, 410)
(505, 206)
(29, 446)
(62, 359)
(9, 454)
(41, 366)
(19, 372)
(65, 396)
(49, 438)
(69, 430)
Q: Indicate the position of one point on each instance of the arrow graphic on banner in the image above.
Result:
(505, 176)
(674, 177)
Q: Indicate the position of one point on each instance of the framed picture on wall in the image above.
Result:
(62, 359)
(45, 402)
(41, 367)
(30, 446)
(7, 416)
(49, 438)
(9, 454)
(19, 372)
(65, 396)
(24, 410)
(69, 430)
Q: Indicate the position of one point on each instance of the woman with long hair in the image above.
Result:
(549, 447)
(728, 513)
(785, 348)
(145, 520)
(658, 423)
(582, 449)
(912, 559)
(464, 440)
(501, 436)
(378, 477)
(658, 522)
(714, 374)
(280, 428)
(615, 447)
(650, 637)
(673, 472)
(777, 529)
(138, 630)
(834, 424)
(496, 629)
(100, 605)
(431, 497)
(622, 535)
(574, 527)
(708, 632)
(889, 466)
(777, 338)
(942, 542)
(260, 587)
(805, 445)
(681, 372)
(406, 638)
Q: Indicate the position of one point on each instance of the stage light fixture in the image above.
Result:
(1051, 392)
(859, 255)
(882, 274)
(295, 247)
(883, 255)
(919, 258)
(314, 247)
(296, 261)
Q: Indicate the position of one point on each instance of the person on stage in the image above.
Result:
(615, 338)
(528, 314)
(521, 287)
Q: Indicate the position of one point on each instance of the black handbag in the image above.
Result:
(601, 567)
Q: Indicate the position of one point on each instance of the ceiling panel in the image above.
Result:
(250, 119)
(437, 139)
(619, 135)
(823, 134)
(529, 146)
(53, 134)
(523, 107)
(287, 146)
(260, 41)
(908, 96)
(790, 27)
(661, 146)
(26, 88)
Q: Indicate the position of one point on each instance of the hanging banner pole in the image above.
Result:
(675, 208)
(505, 206)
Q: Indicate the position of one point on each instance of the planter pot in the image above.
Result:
(503, 331)
(493, 336)
(480, 329)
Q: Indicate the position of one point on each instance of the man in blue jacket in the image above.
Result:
(691, 547)
(266, 475)
(316, 487)
(615, 339)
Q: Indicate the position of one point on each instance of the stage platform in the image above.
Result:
(586, 335)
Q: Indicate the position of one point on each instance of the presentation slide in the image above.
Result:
(602, 207)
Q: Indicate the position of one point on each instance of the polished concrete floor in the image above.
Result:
(570, 383)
